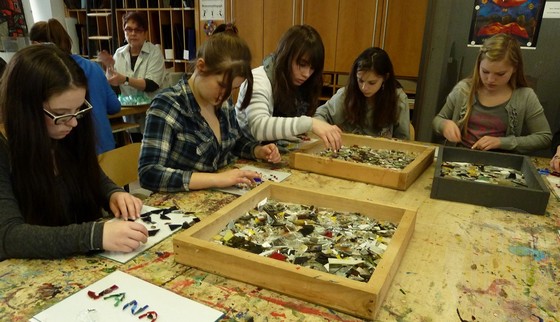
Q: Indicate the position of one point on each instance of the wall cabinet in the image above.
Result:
(402, 34)
(261, 23)
(171, 24)
(347, 27)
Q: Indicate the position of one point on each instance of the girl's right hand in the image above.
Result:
(236, 176)
(123, 236)
(451, 131)
(330, 134)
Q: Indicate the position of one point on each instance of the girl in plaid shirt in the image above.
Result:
(191, 129)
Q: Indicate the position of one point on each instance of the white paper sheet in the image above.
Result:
(169, 306)
(266, 175)
(158, 223)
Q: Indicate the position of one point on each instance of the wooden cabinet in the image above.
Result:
(171, 24)
(354, 25)
(279, 15)
(261, 23)
(402, 34)
(248, 16)
(323, 16)
(347, 27)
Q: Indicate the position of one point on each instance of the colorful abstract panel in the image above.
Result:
(13, 19)
(519, 18)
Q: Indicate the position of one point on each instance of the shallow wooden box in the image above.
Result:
(532, 199)
(306, 159)
(194, 247)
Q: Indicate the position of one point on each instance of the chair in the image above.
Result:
(121, 164)
(412, 132)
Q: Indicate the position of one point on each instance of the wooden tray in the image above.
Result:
(194, 247)
(306, 159)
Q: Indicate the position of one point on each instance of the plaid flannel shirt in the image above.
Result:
(178, 141)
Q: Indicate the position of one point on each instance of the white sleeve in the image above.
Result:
(265, 127)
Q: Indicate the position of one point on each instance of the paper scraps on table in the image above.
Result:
(266, 175)
(161, 223)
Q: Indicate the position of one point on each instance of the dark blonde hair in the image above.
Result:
(226, 53)
(51, 31)
(299, 43)
(500, 47)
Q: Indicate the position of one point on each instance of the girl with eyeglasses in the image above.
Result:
(138, 66)
(52, 189)
(373, 102)
(286, 91)
(191, 131)
(100, 92)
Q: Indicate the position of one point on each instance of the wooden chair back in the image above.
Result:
(412, 132)
(121, 164)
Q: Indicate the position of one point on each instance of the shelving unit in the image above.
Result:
(171, 24)
(103, 27)
(332, 82)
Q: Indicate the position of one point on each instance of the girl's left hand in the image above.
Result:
(125, 206)
(487, 143)
(268, 152)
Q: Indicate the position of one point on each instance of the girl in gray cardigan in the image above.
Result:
(495, 109)
(373, 102)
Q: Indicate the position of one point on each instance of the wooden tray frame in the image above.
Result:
(305, 159)
(194, 247)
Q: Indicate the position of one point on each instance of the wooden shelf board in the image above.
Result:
(99, 14)
(100, 37)
(119, 127)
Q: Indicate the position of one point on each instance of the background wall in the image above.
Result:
(446, 59)
(44, 10)
(39, 10)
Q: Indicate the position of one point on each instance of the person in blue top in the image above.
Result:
(101, 95)
(191, 130)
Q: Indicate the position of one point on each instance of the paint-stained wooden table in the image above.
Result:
(464, 263)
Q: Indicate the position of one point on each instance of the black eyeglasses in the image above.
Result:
(67, 117)
(129, 30)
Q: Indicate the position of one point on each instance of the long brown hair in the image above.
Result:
(385, 111)
(299, 43)
(47, 71)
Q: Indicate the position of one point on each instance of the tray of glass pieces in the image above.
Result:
(379, 161)
(330, 250)
(498, 180)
